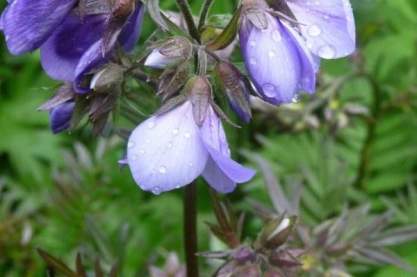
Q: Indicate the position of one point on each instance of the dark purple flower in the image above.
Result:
(60, 117)
(282, 53)
(71, 44)
(169, 151)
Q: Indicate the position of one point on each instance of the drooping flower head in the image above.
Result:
(75, 37)
(171, 150)
(282, 47)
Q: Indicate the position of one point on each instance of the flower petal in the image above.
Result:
(327, 25)
(165, 152)
(215, 177)
(277, 60)
(132, 28)
(27, 23)
(62, 52)
(60, 117)
(221, 172)
(159, 61)
(92, 59)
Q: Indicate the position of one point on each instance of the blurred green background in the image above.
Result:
(357, 144)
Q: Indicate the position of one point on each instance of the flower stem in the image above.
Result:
(190, 229)
(204, 12)
(189, 20)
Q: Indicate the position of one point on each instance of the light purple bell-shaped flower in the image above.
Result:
(282, 53)
(170, 151)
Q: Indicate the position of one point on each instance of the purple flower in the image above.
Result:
(60, 117)
(170, 151)
(282, 53)
(71, 44)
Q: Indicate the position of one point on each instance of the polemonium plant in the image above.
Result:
(189, 67)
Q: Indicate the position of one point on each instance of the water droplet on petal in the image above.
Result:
(151, 125)
(130, 145)
(252, 43)
(252, 61)
(175, 131)
(271, 54)
(269, 90)
(162, 169)
(314, 31)
(276, 36)
(135, 157)
(187, 135)
(296, 98)
(156, 190)
(141, 151)
(327, 52)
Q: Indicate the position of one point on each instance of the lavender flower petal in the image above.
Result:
(27, 23)
(92, 59)
(60, 117)
(221, 172)
(62, 52)
(132, 28)
(166, 152)
(327, 25)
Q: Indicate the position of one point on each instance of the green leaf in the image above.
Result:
(228, 34)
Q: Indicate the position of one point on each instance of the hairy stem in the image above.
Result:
(204, 12)
(189, 20)
(190, 229)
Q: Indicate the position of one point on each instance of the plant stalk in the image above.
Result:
(204, 12)
(190, 229)
(189, 20)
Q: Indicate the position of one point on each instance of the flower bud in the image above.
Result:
(110, 75)
(199, 90)
(60, 117)
(276, 232)
(170, 53)
(235, 89)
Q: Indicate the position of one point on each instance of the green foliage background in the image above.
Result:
(66, 194)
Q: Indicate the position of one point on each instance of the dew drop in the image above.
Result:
(271, 54)
(162, 169)
(252, 61)
(175, 131)
(156, 190)
(169, 145)
(141, 151)
(327, 52)
(314, 31)
(252, 43)
(276, 36)
(130, 145)
(187, 135)
(151, 125)
(135, 157)
(269, 90)
(295, 99)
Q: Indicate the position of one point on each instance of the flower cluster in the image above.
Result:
(84, 43)
(74, 38)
